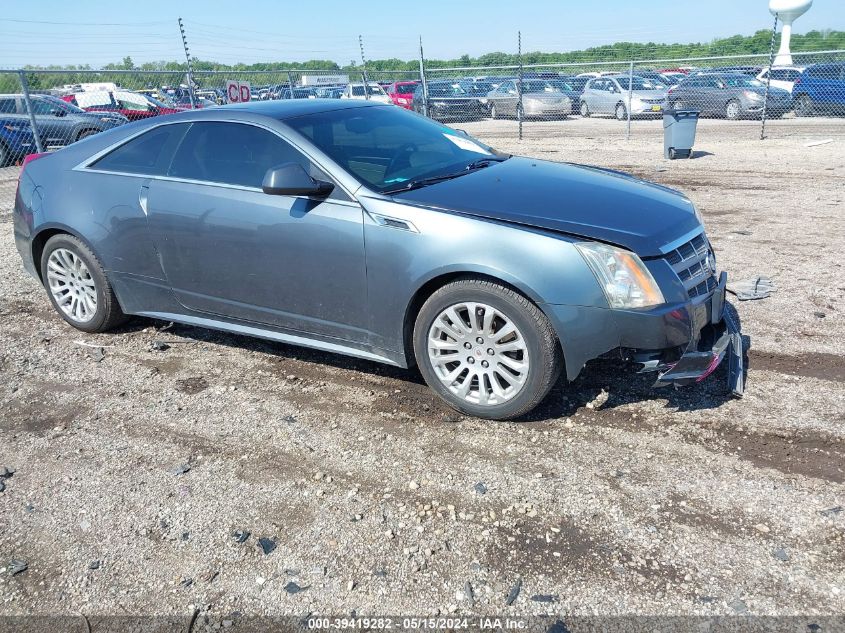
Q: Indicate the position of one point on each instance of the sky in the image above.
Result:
(98, 32)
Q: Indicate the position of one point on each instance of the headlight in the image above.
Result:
(754, 96)
(623, 277)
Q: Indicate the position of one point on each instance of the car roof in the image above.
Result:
(286, 109)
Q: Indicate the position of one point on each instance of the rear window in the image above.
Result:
(148, 154)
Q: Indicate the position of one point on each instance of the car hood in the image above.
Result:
(578, 200)
(648, 94)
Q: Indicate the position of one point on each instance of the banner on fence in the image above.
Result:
(238, 91)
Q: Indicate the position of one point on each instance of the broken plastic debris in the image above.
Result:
(756, 288)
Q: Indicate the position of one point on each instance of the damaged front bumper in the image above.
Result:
(695, 364)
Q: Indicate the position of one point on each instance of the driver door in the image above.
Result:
(231, 250)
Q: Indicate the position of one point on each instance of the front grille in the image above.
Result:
(695, 265)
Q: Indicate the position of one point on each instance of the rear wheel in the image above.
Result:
(621, 112)
(486, 349)
(77, 285)
(732, 110)
(585, 109)
(494, 114)
(804, 106)
(678, 105)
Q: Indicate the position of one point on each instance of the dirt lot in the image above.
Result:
(613, 498)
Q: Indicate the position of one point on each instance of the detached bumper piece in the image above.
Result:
(695, 366)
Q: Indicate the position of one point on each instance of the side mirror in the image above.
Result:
(291, 179)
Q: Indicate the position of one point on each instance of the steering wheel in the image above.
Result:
(401, 159)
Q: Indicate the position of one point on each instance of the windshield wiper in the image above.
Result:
(430, 180)
(484, 162)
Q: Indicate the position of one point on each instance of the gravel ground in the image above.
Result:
(136, 467)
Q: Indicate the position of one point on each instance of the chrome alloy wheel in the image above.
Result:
(71, 285)
(478, 353)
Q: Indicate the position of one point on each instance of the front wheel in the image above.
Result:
(585, 109)
(494, 114)
(486, 349)
(77, 285)
(621, 112)
(804, 106)
(732, 110)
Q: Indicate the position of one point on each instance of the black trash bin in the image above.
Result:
(679, 133)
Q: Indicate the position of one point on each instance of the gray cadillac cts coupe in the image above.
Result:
(368, 230)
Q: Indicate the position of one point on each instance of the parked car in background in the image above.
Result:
(782, 77)
(751, 71)
(728, 95)
(401, 93)
(373, 92)
(820, 90)
(362, 229)
(674, 78)
(297, 93)
(447, 101)
(328, 92)
(577, 84)
(184, 102)
(540, 99)
(16, 140)
(655, 76)
(479, 90)
(609, 95)
(58, 123)
(132, 105)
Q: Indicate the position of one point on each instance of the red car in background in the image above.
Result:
(401, 93)
(132, 105)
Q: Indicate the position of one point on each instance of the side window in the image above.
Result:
(8, 106)
(40, 106)
(148, 154)
(233, 154)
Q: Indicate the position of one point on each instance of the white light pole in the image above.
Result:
(787, 12)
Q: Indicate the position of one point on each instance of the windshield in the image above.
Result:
(445, 90)
(561, 86)
(478, 87)
(536, 85)
(640, 83)
(387, 147)
(405, 89)
(156, 102)
(738, 81)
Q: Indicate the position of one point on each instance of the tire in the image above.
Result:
(5, 156)
(804, 106)
(585, 110)
(106, 313)
(85, 133)
(621, 112)
(678, 105)
(494, 114)
(673, 154)
(539, 354)
(733, 110)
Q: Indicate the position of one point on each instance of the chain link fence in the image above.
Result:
(44, 110)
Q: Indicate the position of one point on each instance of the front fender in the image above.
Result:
(545, 267)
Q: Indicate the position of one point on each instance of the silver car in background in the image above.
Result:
(609, 95)
(540, 99)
